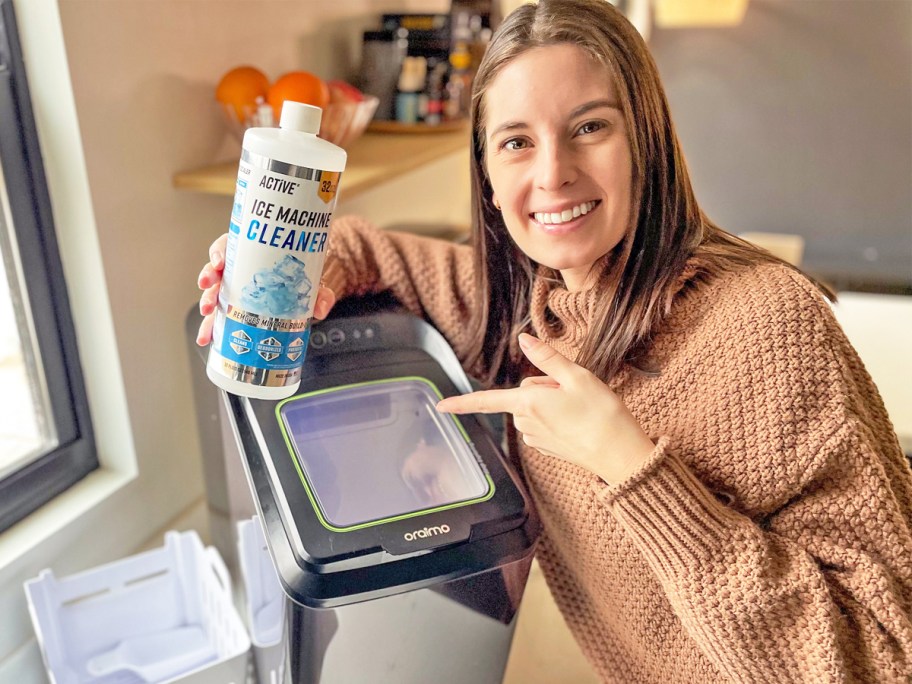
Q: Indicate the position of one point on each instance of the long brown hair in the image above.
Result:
(666, 228)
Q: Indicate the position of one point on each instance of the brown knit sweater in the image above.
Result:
(768, 537)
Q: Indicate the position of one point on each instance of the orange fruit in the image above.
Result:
(300, 86)
(239, 89)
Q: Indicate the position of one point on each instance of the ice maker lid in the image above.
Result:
(377, 452)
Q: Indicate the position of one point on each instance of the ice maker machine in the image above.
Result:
(402, 537)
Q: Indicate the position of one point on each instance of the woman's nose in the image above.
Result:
(554, 167)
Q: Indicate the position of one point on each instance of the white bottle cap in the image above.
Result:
(298, 116)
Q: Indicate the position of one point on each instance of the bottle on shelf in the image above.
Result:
(435, 94)
(411, 83)
(459, 84)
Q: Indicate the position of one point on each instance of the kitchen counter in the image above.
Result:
(880, 327)
(373, 159)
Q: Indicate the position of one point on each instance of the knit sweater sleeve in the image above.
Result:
(430, 277)
(811, 580)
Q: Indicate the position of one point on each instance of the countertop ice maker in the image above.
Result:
(401, 536)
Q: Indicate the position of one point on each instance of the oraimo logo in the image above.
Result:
(426, 532)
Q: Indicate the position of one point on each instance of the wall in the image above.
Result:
(797, 121)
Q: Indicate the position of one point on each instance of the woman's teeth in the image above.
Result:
(554, 218)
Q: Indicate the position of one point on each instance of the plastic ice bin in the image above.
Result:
(166, 615)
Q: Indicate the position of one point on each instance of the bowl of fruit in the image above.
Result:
(248, 98)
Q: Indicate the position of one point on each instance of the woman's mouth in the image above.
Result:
(547, 218)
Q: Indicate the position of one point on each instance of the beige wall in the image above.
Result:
(143, 74)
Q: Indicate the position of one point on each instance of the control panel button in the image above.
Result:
(336, 336)
(317, 340)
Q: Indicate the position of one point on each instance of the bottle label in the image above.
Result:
(277, 240)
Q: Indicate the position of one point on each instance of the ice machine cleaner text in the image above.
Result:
(283, 236)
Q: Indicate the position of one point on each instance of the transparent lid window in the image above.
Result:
(380, 450)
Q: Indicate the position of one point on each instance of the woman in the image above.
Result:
(722, 494)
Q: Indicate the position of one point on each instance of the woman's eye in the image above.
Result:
(590, 127)
(513, 144)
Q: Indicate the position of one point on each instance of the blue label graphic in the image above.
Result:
(258, 348)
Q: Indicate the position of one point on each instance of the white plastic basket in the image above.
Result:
(265, 602)
(166, 615)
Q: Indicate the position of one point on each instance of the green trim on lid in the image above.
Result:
(310, 495)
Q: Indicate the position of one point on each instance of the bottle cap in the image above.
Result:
(298, 116)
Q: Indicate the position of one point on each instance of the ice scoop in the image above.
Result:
(155, 657)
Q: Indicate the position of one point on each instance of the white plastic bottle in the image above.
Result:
(277, 238)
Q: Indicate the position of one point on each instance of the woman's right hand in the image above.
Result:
(210, 281)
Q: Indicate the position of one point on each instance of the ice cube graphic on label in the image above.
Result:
(295, 349)
(283, 290)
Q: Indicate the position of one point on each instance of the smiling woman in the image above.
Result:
(557, 152)
(722, 494)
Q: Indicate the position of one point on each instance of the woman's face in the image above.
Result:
(558, 158)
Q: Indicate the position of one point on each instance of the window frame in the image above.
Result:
(74, 455)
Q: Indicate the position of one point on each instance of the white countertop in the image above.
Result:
(880, 329)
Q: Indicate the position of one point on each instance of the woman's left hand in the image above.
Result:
(568, 413)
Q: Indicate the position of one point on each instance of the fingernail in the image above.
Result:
(216, 258)
(526, 341)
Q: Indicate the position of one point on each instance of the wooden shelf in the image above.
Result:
(374, 158)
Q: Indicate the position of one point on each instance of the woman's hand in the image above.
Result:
(568, 413)
(210, 280)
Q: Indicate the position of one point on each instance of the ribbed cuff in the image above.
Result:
(674, 520)
(335, 276)
(337, 269)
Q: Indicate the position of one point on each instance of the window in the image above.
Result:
(46, 438)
